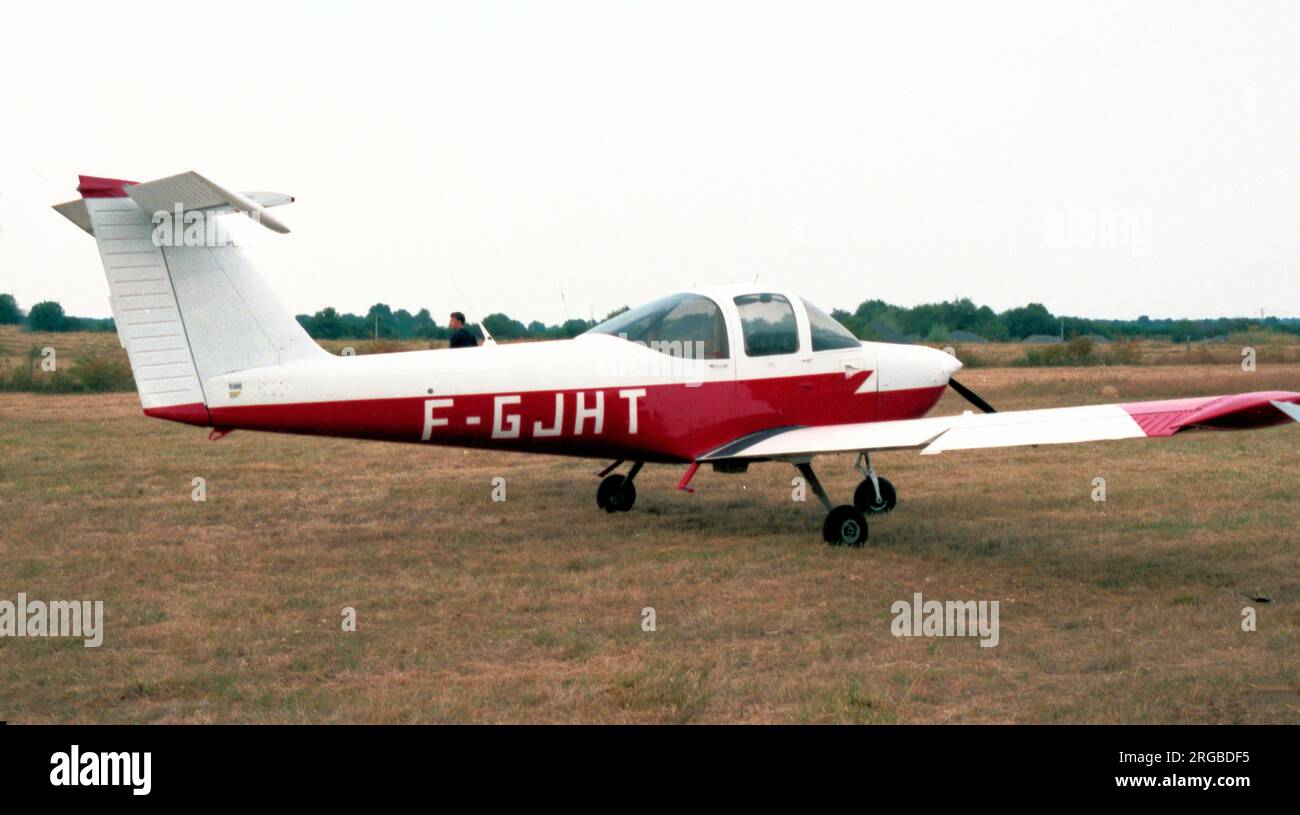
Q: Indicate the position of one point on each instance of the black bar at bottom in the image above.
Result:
(229, 763)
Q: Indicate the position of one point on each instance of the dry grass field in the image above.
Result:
(1270, 347)
(530, 610)
(16, 345)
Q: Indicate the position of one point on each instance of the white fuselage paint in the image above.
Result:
(593, 363)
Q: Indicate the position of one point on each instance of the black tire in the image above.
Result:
(616, 494)
(627, 496)
(845, 526)
(864, 497)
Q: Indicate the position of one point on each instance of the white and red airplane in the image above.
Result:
(725, 375)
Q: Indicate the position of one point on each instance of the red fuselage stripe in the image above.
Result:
(673, 423)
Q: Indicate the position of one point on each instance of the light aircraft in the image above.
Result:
(725, 376)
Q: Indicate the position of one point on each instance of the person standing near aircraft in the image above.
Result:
(461, 337)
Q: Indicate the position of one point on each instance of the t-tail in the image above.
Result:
(187, 302)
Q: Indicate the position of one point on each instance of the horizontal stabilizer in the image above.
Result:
(190, 191)
(76, 212)
(193, 192)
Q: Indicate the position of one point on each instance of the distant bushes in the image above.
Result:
(1124, 351)
(91, 372)
(1263, 336)
(1078, 351)
(102, 372)
(970, 359)
(1082, 351)
(48, 316)
(381, 322)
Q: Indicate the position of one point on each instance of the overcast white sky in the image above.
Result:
(1105, 159)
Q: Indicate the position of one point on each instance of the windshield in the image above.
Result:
(680, 325)
(827, 333)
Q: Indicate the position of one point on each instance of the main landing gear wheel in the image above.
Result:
(864, 497)
(616, 494)
(845, 526)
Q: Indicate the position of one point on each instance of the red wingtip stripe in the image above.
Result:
(1236, 412)
(92, 186)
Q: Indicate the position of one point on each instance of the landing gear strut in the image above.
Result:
(617, 493)
(845, 525)
(876, 494)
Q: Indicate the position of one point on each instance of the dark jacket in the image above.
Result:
(462, 338)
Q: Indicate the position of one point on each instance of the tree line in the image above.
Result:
(871, 320)
(48, 316)
(382, 322)
(935, 322)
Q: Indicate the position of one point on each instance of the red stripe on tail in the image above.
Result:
(195, 413)
(92, 186)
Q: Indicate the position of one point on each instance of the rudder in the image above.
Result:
(184, 313)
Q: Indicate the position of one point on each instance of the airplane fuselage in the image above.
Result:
(594, 396)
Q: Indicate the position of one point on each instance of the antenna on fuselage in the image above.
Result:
(487, 335)
(564, 304)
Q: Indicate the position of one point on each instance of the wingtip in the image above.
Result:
(1290, 409)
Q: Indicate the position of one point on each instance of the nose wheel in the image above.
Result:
(617, 493)
(876, 498)
(876, 494)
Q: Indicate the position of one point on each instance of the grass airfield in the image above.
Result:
(530, 610)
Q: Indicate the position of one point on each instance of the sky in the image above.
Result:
(557, 159)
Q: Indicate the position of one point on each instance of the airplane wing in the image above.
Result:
(1066, 425)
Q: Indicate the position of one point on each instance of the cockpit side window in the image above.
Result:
(689, 326)
(827, 333)
(768, 325)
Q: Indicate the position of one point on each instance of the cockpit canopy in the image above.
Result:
(694, 325)
(827, 333)
(677, 321)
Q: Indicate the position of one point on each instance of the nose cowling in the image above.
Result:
(914, 366)
(948, 363)
(944, 363)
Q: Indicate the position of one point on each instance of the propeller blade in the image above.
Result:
(971, 396)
